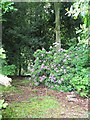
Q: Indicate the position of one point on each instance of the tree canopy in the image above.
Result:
(32, 27)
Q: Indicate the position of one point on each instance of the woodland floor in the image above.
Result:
(65, 109)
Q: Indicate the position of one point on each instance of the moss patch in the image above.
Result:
(34, 108)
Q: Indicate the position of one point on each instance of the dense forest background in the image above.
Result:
(32, 27)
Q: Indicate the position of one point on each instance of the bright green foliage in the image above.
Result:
(8, 70)
(2, 55)
(80, 84)
(80, 63)
(6, 6)
(5, 69)
(81, 9)
(62, 70)
(2, 105)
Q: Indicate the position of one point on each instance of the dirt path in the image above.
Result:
(66, 109)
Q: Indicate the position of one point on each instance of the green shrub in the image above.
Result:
(2, 105)
(65, 70)
(80, 82)
(8, 69)
(2, 58)
(4, 68)
(2, 55)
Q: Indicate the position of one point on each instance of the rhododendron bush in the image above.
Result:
(63, 70)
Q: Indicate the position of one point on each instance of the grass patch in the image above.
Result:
(34, 108)
(20, 82)
(25, 82)
(9, 89)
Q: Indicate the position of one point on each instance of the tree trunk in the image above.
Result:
(20, 69)
(57, 24)
(19, 63)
